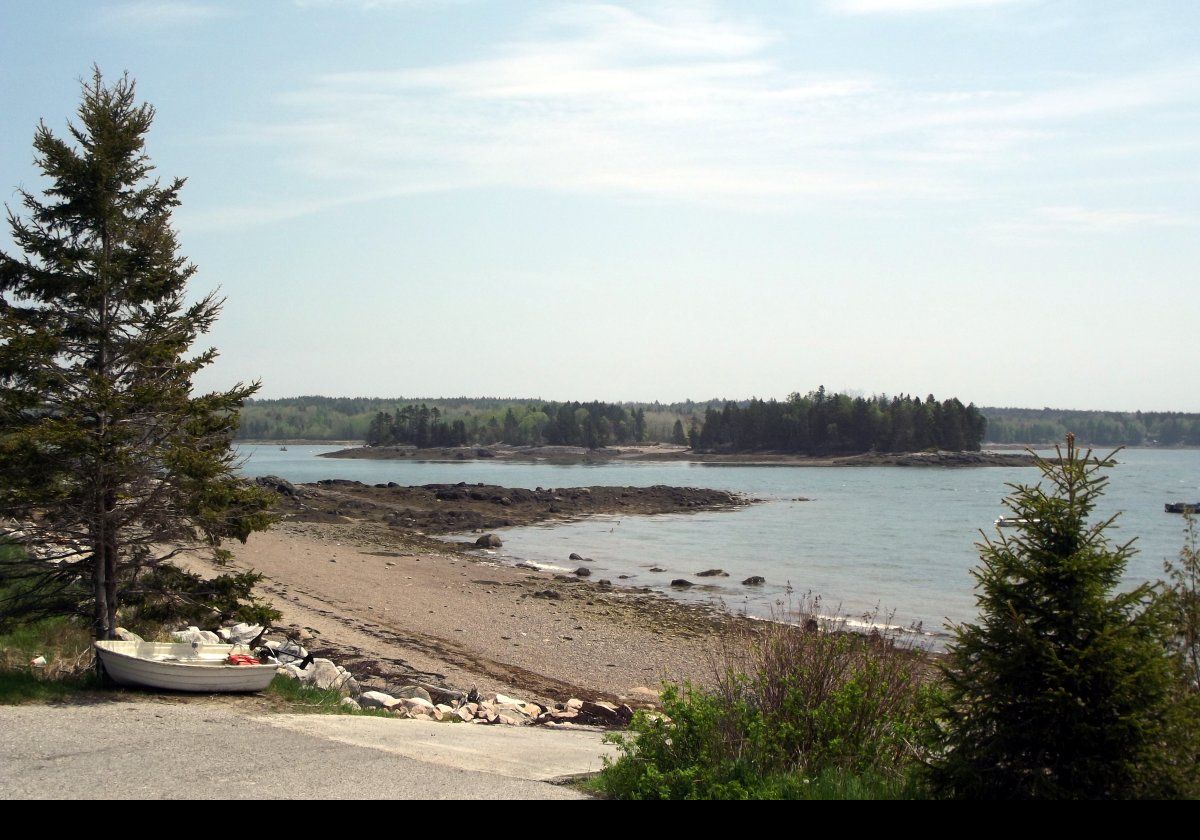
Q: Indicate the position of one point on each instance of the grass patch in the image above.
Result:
(18, 687)
(67, 648)
(294, 696)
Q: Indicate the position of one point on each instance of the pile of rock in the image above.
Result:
(415, 701)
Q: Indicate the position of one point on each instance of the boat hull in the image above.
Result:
(181, 667)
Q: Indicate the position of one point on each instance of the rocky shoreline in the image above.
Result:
(670, 453)
(433, 509)
(360, 576)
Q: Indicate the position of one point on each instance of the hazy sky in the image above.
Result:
(994, 199)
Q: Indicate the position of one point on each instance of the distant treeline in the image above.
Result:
(594, 425)
(488, 420)
(1093, 428)
(819, 423)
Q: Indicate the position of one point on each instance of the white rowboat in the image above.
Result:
(181, 667)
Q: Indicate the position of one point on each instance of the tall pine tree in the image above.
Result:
(111, 465)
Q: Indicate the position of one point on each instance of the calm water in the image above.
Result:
(900, 539)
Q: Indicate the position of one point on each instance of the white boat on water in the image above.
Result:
(181, 667)
(1014, 522)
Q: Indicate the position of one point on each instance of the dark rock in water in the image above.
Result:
(279, 485)
(713, 573)
(605, 583)
(682, 583)
(583, 572)
(548, 594)
(656, 569)
(489, 541)
(528, 566)
(754, 580)
(575, 558)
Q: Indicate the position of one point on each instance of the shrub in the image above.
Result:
(795, 714)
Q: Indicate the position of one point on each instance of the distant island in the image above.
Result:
(800, 425)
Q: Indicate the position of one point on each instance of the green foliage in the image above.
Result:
(796, 715)
(1097, 428)
(168, 595)
(27, 686)
(460, 420)
(1183, 600)
(821, 423)
(1066, 687)
(66, 644)
(109, 460)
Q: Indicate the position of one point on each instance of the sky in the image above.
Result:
(997, 200)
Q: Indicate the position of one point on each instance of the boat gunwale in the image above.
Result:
(179, 663)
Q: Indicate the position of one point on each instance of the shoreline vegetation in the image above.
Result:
(517, 420)
(675, 453)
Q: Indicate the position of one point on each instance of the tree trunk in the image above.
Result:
(112, 598)
(100, 590)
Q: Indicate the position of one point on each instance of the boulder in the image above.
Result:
(713, 573)
(583, 571)
(754, 580)
(127, 635)
(290, 671)
(444, 696)
(376, 700)
(575, 558)
(196, 636)
(286, 652)
(603, 713)
(279, 485)
(350, 703)
(681, 583)
(323, 674)
(489, 541)
(240, 634)
(414, 692)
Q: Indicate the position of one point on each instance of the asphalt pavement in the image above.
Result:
(150, 750)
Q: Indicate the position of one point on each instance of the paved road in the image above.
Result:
(201, 751)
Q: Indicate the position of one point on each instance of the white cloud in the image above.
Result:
(871, 7)
(676, 105)
(1050, 223)
(153, 14)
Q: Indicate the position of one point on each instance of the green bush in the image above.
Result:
(795, 714)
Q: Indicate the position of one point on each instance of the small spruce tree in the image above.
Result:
(1067, 687)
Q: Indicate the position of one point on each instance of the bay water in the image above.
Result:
(891, 540)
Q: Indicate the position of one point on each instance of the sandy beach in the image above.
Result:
(392, 609)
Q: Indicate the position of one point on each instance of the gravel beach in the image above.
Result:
(390, 607)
